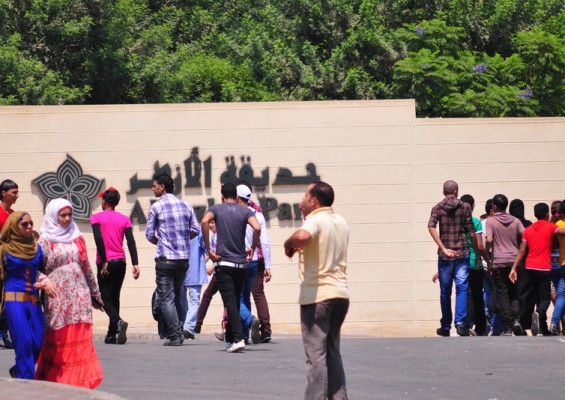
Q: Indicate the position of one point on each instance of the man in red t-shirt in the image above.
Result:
(537, 239)
(9, 193)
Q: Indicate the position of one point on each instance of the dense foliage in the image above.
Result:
(457, 58)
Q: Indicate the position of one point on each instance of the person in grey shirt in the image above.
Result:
(231, 257)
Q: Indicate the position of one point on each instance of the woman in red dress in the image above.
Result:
(68, 354)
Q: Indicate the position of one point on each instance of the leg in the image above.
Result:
(336, 374)
(476, 277)
(193, 305)
(525, 297)
(446, 274)
(110, 288)
(500, 278)
(461, 290)
(261, 304)
(542, 281)
(245, 300)
(165, 273)
(209, 293)
(559, 302)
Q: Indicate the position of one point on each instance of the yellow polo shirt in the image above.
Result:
(323, 261)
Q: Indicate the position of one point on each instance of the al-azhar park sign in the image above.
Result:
(80, 189)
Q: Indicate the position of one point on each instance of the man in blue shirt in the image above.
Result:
(171, 223)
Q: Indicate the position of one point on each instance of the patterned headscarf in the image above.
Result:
(13, 242)
(51, 230)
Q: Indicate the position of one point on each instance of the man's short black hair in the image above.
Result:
(112, 197)
(488, 206)
(229, 191)
(6, 185)
(563, 209)
(467, 198)
(164, 179)
(500, 201)
(541, 210)
(323, 192)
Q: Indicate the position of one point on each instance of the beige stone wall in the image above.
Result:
(386, 166)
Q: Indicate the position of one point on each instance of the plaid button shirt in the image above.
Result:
(455, 222)
(171, 221)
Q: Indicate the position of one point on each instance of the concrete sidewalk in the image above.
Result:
(408, 368)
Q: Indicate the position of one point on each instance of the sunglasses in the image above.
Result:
(25, 224)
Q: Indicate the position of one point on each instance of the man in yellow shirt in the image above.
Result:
(324, 298)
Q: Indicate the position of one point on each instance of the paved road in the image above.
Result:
(407, 368)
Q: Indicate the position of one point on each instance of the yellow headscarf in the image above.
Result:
(13, 242)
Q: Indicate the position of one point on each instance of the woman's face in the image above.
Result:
(65, 217)
(25, 226)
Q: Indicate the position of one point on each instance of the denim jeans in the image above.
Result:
(169, 276)
(453, 270)
(192, 307)
(559, 306)
(321, 327)
(245, 301)
(110, 288)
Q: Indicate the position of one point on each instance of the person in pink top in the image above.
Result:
(538, 241)
(109, 228)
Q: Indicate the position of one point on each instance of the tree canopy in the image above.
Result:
(457, 58)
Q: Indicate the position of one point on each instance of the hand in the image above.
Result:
(267, 277)
(289, 251)
(97, 302)
(435, 277)
(513, 276)
(210, 269)
(214, 257)
(451, 253)
(104, 271)
(48, 287)
(250, 252)
(135, 271)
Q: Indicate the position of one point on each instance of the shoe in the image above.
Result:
(187, 335)
(265, 338)
(219, 336)
(174, 342)
(197, 328)
(6, 339)
(535, 323)
(122, 328)
(517, 328)
(236, 347)
(12, 371)
(507, 333)
(110, 339)
(472, 332)
(255, 334)
(553, 330)
(442, 332)
(246, 341)
(462, 330)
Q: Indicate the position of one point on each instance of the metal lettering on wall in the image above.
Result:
(69, 182)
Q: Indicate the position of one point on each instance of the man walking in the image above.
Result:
(109, 228)
(324, 298)
(455, 223)
(171, 223)
(502, 235)
(231, 256)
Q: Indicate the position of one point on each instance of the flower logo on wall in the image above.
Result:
(70, 183)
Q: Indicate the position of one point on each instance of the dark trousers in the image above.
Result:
(476, 277)
(506, 296)
(110, 288)
(525, 297)
(209, 293)
(230, 282)
(321, 326)
(258, 292)
(540, 289)
(169, 277)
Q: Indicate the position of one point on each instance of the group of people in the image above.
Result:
(506, 269)
(50, 290)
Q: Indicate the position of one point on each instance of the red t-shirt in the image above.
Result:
(539, 237)
(4, 216)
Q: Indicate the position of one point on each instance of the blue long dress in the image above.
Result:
(24, 317)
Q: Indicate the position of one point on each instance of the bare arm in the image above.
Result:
(296, 241)
(206, 235)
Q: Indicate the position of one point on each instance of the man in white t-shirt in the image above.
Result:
(324, 298)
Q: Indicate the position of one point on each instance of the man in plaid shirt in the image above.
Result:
(455, 223)
(171, 223)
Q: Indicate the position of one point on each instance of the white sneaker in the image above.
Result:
(237, 346)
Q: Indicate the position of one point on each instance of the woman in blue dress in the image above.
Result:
(21, 259)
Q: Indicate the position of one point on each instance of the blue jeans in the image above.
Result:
(169, 277)
(453, 270)
(245, 301)
(192, 307)
(559, 306)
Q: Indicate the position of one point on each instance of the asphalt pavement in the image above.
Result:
(486, 368)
